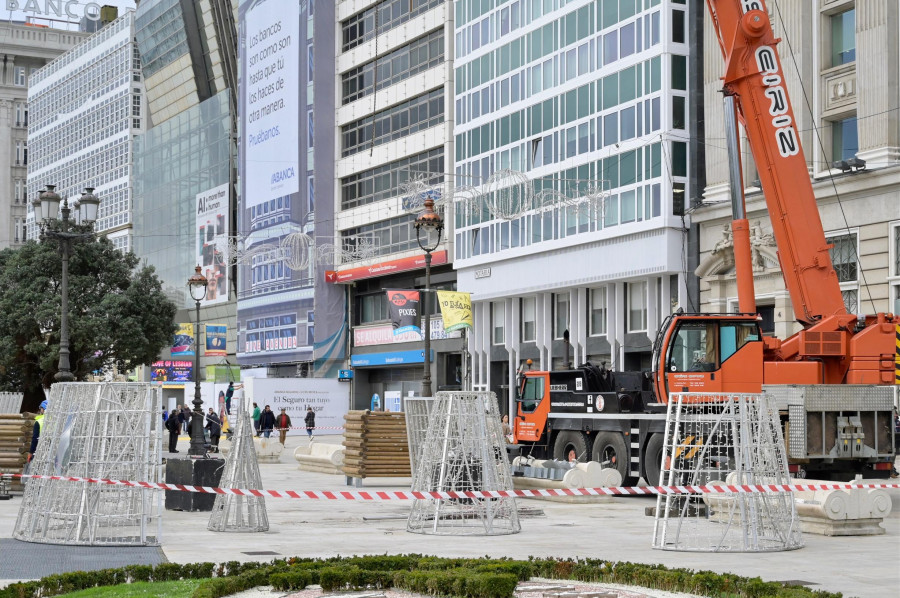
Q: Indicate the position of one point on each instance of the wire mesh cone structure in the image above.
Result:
(108, 430)
(724, 439)
(232, 513)
(417, 412)
(464, 451)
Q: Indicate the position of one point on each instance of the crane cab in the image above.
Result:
(709, 353)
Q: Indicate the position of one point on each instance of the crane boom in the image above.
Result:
(753, 75)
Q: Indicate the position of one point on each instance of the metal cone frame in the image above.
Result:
(233, 513)
(464, 451)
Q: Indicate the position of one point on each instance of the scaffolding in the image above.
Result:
(464, 451)
(234, 513)
(722, 439)
(109, 430)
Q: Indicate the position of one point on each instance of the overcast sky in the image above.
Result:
(20, 15)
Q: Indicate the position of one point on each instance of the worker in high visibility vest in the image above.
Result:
(36, 434)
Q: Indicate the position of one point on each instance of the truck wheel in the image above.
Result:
(570, 441)
(652, 459)
(610, 450)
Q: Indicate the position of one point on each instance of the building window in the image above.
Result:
(419, 113)
(637, 306)
(597, 306)
(528, 319)
(844, 139)
(498, 322)
(843, 38)
(360, 28)
(560, 314)
(19, 76)
(845, 258)
(678, 26)
(372, 308)
(20, 189)
(422, 54)
(894, 277)
(385, 181)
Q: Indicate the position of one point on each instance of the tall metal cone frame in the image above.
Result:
(232, 513)
(108, 430)
(464, 451)
(725, 439)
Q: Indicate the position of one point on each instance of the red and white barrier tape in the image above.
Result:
(410, 495)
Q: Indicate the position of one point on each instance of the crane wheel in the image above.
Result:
(652, 459)
(611, 451)
(571, 441)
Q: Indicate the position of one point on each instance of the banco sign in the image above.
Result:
(59, 8)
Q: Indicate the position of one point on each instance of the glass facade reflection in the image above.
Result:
(174, 161)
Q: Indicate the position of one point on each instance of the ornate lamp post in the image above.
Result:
(429, 227)
(67, 230)
(197, 285)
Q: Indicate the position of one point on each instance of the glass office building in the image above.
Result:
(175, 162)
(588, 103)
(85, 108)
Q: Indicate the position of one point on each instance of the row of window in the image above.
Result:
(597, 313)
(373, 306)
(595, 53)
(419, 113)
(386, 181)
(530, 81)
(418, 56)
(527, 11)
(632, 205)
(380, 18)
(384, 237)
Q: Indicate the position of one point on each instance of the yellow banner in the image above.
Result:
(456, 308)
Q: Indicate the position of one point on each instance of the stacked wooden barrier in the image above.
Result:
(375, 445)
(15, 441)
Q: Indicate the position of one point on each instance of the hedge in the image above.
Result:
(434, 576)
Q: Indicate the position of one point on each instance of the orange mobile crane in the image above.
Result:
(832, 380)
(826, 377)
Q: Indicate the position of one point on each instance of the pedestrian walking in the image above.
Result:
(186, 419)
(173, 425)
(256, 416)
(266, 421)
(283, 423)
(214, 425)
(310, 421)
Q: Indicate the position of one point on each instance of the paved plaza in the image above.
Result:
(613, 528)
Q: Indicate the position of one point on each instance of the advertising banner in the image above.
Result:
(270, 95)
(383, 334)
(171, 372)
(212, 232)
(329, 399)
(456, 308)
(183, 343)
(404, 308)
(216, 335)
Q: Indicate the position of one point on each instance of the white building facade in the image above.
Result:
(592, 106)
(85, 107)
(24, 49)
(394, 107)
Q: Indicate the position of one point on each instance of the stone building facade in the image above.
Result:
(841, 62)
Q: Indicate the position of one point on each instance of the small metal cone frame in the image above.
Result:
(464, 451)
(233, 513)
(726, 439)
(96, 430)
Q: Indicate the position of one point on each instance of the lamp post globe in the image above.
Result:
(197, 285)
(429, 228)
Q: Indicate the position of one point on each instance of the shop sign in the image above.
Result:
(384, 334)
(394, 358)
(415, 262)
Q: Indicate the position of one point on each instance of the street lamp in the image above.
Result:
(68, 230)
(429, 227)
(197, 285)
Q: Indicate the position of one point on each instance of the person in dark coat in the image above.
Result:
(267, 421)
(188, 416)
(310, 421)
(173, 425)
(214, 425)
